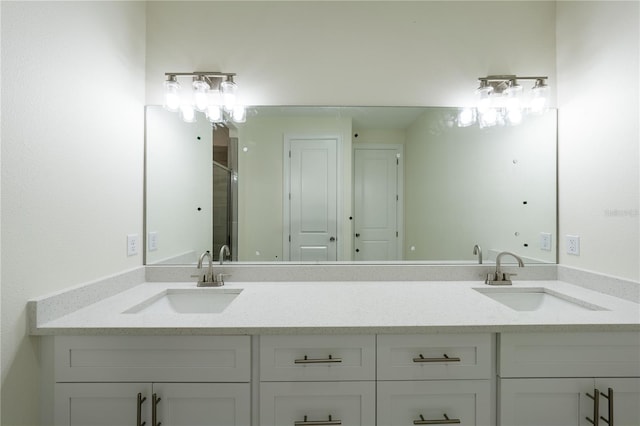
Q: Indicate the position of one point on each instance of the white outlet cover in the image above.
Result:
(132, 244)
(152, 241)
(573, 245)
(545, 241)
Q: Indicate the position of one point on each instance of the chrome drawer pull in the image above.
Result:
(445, 358)
(445, 421)
(596, 407)
(329, 422)
(141, 400)
(609, 396)
(306, 360)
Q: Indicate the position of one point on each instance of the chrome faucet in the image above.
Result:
(224, 251)
(502, 278)
(208, 279)
(478, 250)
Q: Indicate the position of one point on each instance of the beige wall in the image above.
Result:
(598, 96)
(72, 151)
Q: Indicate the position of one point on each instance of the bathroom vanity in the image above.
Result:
(345, 353)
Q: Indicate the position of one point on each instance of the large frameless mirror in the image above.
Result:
(351, 184)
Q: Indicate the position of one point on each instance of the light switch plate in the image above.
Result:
(152, 241)
(545, 241)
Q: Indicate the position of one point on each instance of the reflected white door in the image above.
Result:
(313, 199)
(376, 203)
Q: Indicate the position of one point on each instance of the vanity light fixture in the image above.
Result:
(214, 93)
(501, 100)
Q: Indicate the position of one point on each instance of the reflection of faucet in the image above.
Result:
(478, 250)
(502, 278)
(224, 251)
(207, 279)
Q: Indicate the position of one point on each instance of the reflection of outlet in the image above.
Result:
(573, 245)
(545, 241)
(152, 241)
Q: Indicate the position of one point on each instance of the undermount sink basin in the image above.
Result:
(537, 299)
(187, 301)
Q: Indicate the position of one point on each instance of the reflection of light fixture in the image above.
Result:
(500, 100)
(214, 93)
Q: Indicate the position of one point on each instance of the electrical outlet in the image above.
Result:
(152, 241)
(132, 244)
(545, 241)
(573, 245)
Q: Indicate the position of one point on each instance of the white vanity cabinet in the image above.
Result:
(558, 379)
(435, 379)
(168, 380)
(317, 380)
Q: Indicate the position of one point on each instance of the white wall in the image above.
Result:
(72, 151)
(352, 52)
(598, 96)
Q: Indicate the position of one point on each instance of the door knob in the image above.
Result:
(357, 235)
(357, 250)
(332, 239)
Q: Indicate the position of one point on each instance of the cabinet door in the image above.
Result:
(199, 404)
(625, 403)
(545, 402)
(434, 402)
(305, 403)
(101, 404)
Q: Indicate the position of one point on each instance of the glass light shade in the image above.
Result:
(188, 113)
(171, 95)
(483, 96)
(514, 116)
(239, 114)
(200, 97)
(539, 97)
(229, 91)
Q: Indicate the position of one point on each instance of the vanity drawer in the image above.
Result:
(294, 403)
(403, 402)
(589, 354)
(435, 356)
(152, 358)
(321, 357)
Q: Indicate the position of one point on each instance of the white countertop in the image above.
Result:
(346, 308)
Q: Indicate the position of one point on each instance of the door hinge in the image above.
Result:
(289, 238)
(397, 197)
(397, 234)
(397, 162)
(289, 196)
(289, 154)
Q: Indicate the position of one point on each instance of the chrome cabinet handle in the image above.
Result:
(445, 358)
(154, 410)
(596, 407)
(445, 421)
(609, 396)
(141, 400)
(306, 422)
(306, 360)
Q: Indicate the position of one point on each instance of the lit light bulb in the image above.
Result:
(188, 113)
(200, 88)
(229, 92)
(466, 117)
(171, 93)
(214, 114)
(239, 114)
(488, 117)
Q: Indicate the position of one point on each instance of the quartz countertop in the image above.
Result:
(343, 308)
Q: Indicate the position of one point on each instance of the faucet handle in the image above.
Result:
(220, 278)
